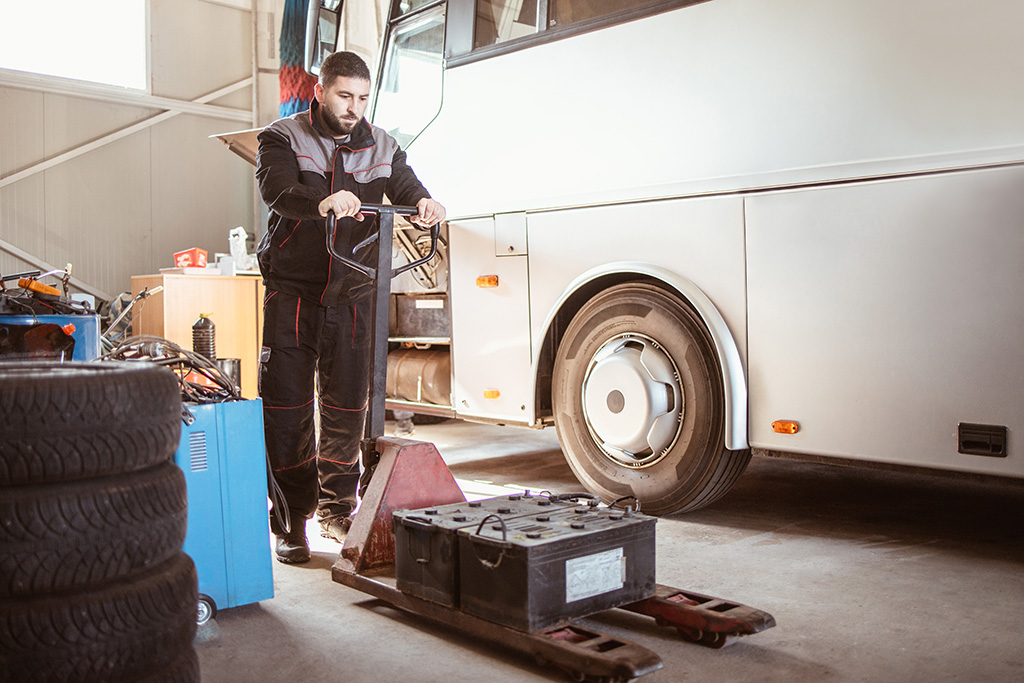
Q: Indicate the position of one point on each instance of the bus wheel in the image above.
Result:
(638, 402)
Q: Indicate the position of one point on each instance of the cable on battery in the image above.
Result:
(504, 545)
(629, 508)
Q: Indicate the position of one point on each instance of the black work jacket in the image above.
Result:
(297, 166)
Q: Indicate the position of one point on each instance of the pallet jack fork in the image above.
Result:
(407, 474)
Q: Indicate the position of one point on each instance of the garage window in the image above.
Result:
(102, 41)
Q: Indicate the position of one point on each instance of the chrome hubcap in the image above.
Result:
(632, 400)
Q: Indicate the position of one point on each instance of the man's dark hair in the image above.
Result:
(343, 64)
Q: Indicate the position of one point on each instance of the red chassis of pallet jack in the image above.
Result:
(412, 475)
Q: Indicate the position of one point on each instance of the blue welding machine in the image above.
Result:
(223, 457)
(86, 333)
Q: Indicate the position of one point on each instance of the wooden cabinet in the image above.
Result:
(236, 305)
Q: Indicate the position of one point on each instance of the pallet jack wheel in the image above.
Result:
(710, 639)
(206, 609)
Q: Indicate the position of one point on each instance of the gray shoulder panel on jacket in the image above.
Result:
(312, 151)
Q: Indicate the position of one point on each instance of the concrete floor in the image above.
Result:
(870, 575)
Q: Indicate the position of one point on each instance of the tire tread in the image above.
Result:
(61, 536)
(84, 420)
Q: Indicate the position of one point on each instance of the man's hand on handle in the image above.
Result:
(343, 203)
(430, 213)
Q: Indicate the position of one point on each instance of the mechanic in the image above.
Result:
(317, 314)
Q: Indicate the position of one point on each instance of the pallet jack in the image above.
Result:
(402, 474)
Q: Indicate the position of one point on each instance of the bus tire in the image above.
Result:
(73, 535)
(651, 429)
(76, 420)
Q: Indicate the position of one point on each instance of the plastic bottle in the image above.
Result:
(203, 337)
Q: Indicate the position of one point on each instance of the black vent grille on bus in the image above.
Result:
(974, 439)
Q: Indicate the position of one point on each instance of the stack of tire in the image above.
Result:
(93, 583)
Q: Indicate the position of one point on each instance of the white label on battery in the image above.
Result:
(429, 303)
(595, 574)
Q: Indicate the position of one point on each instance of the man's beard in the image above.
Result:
(335, 124)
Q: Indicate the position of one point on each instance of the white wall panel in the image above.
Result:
(201, 196)
(121, 209)
(21, 129)
(23, 215)
(198, 47)
(73, 121)
(98, 210)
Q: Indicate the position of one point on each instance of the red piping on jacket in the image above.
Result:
(306, 156)
(290, 234)
(367, 170)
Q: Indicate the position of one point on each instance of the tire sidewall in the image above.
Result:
(647, 310)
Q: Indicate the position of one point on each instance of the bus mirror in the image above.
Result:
(323, 32)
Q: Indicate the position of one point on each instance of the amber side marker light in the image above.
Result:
(487, 281)
(492, 393)
(785, 427)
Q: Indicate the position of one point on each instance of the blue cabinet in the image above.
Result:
(223, 457)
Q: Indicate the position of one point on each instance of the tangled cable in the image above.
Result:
(189, 367)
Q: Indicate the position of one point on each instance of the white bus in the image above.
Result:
(680, 231)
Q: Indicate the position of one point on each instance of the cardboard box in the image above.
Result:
(190, 257)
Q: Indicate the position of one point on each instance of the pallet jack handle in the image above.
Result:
(387, 213)
(374, 426)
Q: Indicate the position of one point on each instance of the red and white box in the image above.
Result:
(194, 257)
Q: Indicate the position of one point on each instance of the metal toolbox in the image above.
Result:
(536, 571)
(426, 540)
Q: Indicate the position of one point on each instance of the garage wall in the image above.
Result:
(150, 181)
(115, 181)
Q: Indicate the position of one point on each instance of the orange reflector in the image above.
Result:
(785, 427)
(68, 329)
(487, 281)
(491, 393)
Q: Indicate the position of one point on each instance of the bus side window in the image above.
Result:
(500, 20)
(564, 12)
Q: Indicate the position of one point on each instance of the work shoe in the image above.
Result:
(335, 528)
(293, 548)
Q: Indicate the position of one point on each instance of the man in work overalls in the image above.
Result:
(317, 313)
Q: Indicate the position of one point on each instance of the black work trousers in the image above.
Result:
(308, 347)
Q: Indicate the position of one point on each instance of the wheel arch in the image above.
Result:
(589, 283)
